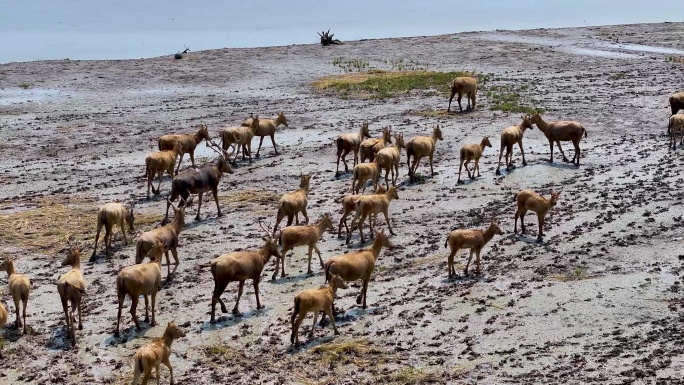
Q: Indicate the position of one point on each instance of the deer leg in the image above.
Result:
(450, 99)
(468, 108)
(214, 192)
(309, 271)
(274, 145)
(330, 313)
(477, 167)
(477, 261)
(108, 236)
(65, 307)
(343, 220)
(179, 162)
(313, 326)
(295, 329)
(199, 205)
(306, 216)
(97, 236)
(522, 152)
(432, 172)
(460, 167)
(255, 282)
(565, 159)
(166, 363)
(80, 313)
(365, 290)
(174, 251)
(363, 218)
(320, 258)
(154, 301)
(156, 192)
(465, 271)
(459, 102)
(134, 307)
(577, 152)
(388, 222)
(468, 170)
(216, 297)
(235, 309)
(192, 158)
(282, 263)
(290, 218)
(147, 308)
(259, 149)
(515, 226)
(122, 225)
(540, 219)
(450, 263)
(522, 221)
(498, 166)
(118, 317)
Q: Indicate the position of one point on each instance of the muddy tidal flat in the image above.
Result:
(598, 301)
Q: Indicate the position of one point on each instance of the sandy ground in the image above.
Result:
(597, 301)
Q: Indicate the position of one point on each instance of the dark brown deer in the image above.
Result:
(199, 181)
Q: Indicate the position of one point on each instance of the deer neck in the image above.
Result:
(333, 289)
(278, 121)
(10, 269)
(178, 224)
(265, 254)
(488, 235)
(434, 138)
(320, 228)
(168, 338)
(198, 137)
(376, 248)
(76, 265)
(482, 146)
(542, 125)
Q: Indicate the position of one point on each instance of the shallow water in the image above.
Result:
(82, 29)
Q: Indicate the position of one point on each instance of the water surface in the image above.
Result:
(124, 29)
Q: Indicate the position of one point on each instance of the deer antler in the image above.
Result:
(265, 228)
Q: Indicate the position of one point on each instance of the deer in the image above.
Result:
(19, 288)
(350, 142)
(529, 200)
(158, 162)
(71, 288)
(314, 301)
(155, 353)
(167, 234)
(294, 236)
(472, 152)
(389, 158)
(188, 143)
(370, 147)
(558, 131)
(463, 85)
(510, 136)
(266, 127)
(109, 215)
(198, 182)
(419, 147)
(292, 203)
(370, 205)
(474, 240)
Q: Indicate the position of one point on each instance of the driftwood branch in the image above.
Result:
(327, 38)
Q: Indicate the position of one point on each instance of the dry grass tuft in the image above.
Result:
(52, 221)
(411, 376)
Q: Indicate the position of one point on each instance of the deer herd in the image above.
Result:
(144, 278)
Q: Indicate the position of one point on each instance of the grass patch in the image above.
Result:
(576, 274)
(380, 84)
(675, 59)
(508, 99)
(53, 221)
(25, 86)
(350, 65)
(617, 76)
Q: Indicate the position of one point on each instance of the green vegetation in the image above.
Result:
(25, 86)
(350, 65)
(675, 59)
(617, 76)
(507, 99)
(380, 84)
(407, 65)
